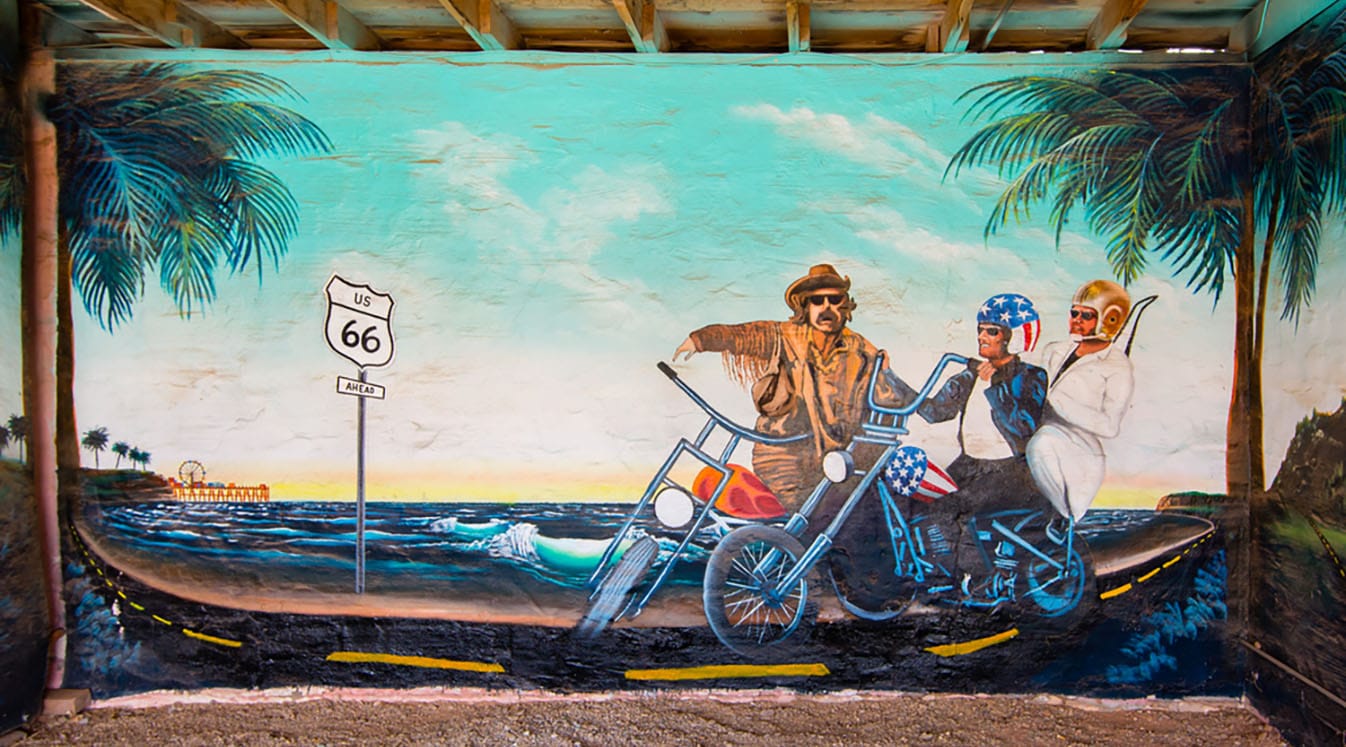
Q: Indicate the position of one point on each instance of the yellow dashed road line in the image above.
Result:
(1110, 593)
(728, 671)
(211, 639)
(1124, 588)
(359, 657)
(92, 563)
(967, 647)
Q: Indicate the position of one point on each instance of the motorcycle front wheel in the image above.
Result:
(746, 606)
(614, 592)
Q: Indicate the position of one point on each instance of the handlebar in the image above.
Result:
(724, 422)
(921, 396)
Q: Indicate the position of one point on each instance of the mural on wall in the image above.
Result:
(954, 457)
(1296, 670)
(23, 606)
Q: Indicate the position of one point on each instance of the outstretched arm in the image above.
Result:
(686, 350)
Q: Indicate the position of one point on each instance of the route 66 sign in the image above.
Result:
(359, 323)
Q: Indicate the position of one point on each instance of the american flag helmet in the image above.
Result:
(1015, 313)
(912, 475)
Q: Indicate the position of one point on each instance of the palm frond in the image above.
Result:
(1299, 264)
(157, 176)
(107, 276)
(264, 212)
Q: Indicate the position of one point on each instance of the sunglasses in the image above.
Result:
(1082, 314)
(990, 331)
(836, 299)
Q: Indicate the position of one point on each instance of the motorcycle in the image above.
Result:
(756, 588)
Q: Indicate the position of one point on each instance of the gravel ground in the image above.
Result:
(704, 718)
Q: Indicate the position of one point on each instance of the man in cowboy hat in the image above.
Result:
(808, 375)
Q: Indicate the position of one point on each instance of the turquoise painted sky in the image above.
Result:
(550, 233)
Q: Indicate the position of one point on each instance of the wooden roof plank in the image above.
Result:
(954, 29)
(798, 18)
(1268, 23)
(164, 21)
(644, 25)
(1108, 30)
(329, 23)
(485, 22)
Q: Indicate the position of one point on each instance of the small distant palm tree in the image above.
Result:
(18, 432)
(4, 438)
(96, 440)
(137, 456)
(121, 449)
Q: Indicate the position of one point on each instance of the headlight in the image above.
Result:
(673, 507)
(838, 466)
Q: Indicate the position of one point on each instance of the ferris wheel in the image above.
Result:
(191, 472)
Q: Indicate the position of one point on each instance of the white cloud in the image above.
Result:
(556, 237)
(887, 146)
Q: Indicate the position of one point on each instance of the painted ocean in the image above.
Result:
(421, 549)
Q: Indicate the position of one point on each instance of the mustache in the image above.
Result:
(829, 316)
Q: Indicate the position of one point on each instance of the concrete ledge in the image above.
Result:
(64, 702)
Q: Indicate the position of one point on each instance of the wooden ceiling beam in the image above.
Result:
(1267, 23)
(798, 15)
(173, 25)
(953, 31)
(643, 24)
(1108, 30)
(483, 20)
(329, 23)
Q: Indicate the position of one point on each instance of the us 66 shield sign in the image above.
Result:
(359, 323)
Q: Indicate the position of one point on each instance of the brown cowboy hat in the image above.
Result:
(819, 277)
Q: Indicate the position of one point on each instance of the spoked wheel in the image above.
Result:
(746, 607)
(867, 599)
(614, 591)
(1054, 590)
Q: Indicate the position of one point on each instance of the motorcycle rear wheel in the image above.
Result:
(1052, 593)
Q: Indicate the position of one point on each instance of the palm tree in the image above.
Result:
(157, 179)
(18, 432)
(1164, 166)
(4, 438)
(96, 441)
(121, 449)
(136, 455)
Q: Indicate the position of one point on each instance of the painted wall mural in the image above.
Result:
(1297, 673)
(738, 375)
(23, 608)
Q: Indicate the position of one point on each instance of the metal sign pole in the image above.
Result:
(360, 494)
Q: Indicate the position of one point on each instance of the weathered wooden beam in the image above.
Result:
(954, 29)
(329, 23)
(995, 24)
(57, 32)
(1108, 30)
(797, 18)
(483, 20)
(643, 24)
(166, 21)
(1268, 23)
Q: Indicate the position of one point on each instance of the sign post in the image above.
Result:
(359, 329)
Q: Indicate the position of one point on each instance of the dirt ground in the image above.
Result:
(703, 718)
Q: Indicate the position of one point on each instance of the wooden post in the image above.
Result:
(39, 287)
